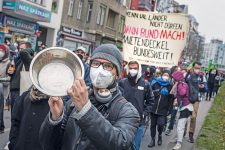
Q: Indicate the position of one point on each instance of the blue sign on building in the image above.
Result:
(21, 24)
(9, 5)
(25, 9)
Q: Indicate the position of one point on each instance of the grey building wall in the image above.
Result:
(91, 30)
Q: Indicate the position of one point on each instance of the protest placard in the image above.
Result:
(155, 38)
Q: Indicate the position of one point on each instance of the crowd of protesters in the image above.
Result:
(108, 108)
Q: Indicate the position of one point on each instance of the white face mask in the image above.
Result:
(213, 72)
(165, 78)
(197, 70)
(133, 72)
(101, 78)
(2, 54)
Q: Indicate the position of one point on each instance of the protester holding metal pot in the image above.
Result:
(98, 118)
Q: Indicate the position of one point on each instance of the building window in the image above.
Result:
(111, 18)
(37, 1)
(80, 6)
(90, 7)
(55, 6)
(70, 10)
(122, 23)
(101, 15)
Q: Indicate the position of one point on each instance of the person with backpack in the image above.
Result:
(185, 107)
(195, 83)
(161, 89)
(173, 111)
(139, 93)
(100, 118)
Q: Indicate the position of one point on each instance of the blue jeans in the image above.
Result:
(138, 137)
(1, 108)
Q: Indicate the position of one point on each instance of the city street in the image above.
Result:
(100, 65)
(5, 136)
(167, 140)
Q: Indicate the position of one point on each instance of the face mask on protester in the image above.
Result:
(101, 78)
(165, 78)
(133, 72)
(196, 71)
(213, 72)
(2, 54)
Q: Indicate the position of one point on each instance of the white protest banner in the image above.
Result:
(155, 38)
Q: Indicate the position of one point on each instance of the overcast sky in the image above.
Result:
(210, 15)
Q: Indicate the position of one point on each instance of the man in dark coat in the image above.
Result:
(28, 114)
(100, 119)
(139, 93)
(25, 57)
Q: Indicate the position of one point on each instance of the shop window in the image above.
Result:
(55, 6)
(89, 13)
(101, 15)
(79, 11)
(122, 23)
(111, 19)
(70, 10)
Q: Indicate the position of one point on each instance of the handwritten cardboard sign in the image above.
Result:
(155, 38)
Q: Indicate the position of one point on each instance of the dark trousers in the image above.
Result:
(159, 121)
(215, 90)
(13, 96)
(172, 119)
(1, 108)
(210, 90)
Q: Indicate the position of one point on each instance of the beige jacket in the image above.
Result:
(4, 77)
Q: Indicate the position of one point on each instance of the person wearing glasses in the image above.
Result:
(98, 118)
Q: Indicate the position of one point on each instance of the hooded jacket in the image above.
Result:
(25, 58)
(163, 100)
(92, 131)
(139, 93)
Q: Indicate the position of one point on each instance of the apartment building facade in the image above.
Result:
(92, 22)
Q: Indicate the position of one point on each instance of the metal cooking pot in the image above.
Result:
(54, 70)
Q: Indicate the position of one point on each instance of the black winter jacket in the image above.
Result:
(93, 131)
(27, 117)
(162, 102)
(140, 95)
(193, 81)
(25, 58)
